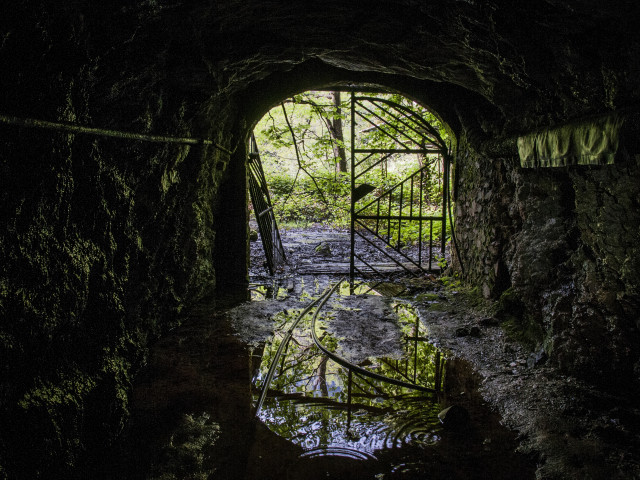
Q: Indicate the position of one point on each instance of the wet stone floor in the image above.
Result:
(349, 389)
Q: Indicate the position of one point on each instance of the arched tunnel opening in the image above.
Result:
(349, 172)
(307, 77)
(123, 177)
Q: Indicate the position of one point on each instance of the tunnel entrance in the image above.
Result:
(368, 171)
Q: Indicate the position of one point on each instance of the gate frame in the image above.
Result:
(263, 209)
(356, 195)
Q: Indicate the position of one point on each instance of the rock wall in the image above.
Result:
(106, 239)
(558, 247)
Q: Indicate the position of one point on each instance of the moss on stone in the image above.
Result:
(188, 451)
(427, 297)
(439, 307)
(70, 390)
(527, 332)
(515, 321)
(509, 305)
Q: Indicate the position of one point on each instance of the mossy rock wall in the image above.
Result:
(106, 239)
(564, 241)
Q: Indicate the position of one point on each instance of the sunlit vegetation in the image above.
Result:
(312, 398)
(305, 147)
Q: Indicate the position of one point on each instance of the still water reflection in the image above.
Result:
(328, 409)
(194, 407)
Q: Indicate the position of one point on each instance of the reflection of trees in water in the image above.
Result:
(316, 403)
(423, 364)
(321, 377)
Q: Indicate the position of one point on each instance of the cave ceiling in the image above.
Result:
(497, 67)
(523, 64)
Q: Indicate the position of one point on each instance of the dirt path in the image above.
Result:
(321, 250)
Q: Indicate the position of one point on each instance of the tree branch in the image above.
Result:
(300, 165)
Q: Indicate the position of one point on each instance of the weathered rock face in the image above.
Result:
(106, 240)
(557, 240)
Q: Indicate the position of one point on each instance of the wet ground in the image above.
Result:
(318, 250)
(428, 346)
(367, 409)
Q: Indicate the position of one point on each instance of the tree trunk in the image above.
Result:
(338, 135)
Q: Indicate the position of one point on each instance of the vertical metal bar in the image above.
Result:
(400, 215)
(411, 197)
(406, 362)
(350, 380)
(353, 187)
(421, 222)
(436, 380)
(415, 352)
(445, 193)
(430, 242)
(378, 218)
(389, 218)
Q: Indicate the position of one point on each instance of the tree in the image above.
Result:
(338, 134)
(304, 152)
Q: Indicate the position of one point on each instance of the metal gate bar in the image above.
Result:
(263, 209)
(380, 222)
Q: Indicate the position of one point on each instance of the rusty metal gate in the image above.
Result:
(380, 214)
(263, 210)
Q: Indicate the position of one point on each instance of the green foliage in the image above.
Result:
(305, 184)
(452, 282)
(299, 202)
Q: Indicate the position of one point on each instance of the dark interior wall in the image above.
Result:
(559, 248)
(105, 241)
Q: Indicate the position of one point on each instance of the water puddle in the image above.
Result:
(339, 408)
(359, 383)
(351, 389)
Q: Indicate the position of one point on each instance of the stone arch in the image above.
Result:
(232, 258)
(121, 235)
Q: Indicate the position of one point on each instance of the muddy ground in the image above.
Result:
(573, 430)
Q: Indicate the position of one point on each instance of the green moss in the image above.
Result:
(509, 306)
(118, 369)
(439, 307)
(528, 332)
(427, 297)
(4, 287)
(187, 454)
(473, 297)
(7, 341)
(451, 282)
(69, 391)
(518, 326)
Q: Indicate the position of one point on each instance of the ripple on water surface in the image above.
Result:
(338, 416)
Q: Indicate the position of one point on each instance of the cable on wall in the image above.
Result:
(73, 128)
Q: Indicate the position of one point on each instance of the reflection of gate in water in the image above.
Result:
(304, 377)
(380, 215)
(263, 210)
